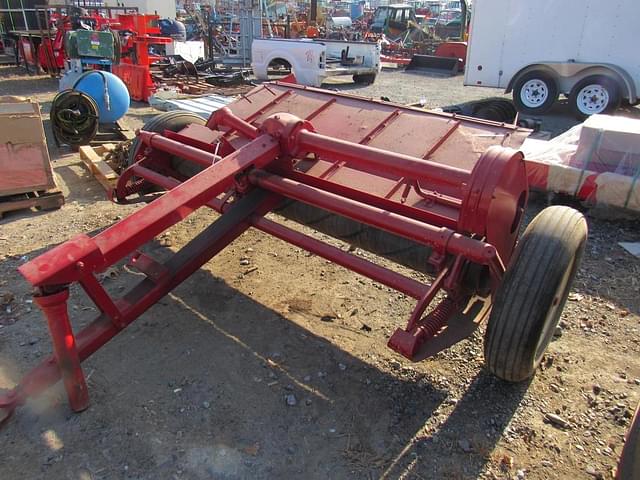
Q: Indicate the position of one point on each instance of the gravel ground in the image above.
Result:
(272, 363)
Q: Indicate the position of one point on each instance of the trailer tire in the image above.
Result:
(529, 302)
(173, 121)
(593, 95)
(535, 92)
(365, 79)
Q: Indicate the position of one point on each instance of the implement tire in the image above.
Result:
(529, 303)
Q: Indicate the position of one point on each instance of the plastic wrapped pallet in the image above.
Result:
(597, 162)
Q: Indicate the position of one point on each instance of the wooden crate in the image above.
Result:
(24, 158)
(26, 179)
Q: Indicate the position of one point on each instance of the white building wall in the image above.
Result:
(165, 8)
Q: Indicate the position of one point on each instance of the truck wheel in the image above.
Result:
(594, 94)
(535, 92)
(528, 304)
(365, 79)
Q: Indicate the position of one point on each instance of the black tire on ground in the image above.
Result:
(535, 92)
(629, 465)
(594, 94)
(528, 304)
(173, 121)
(365, 79)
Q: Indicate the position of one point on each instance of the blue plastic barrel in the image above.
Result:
(112, 106)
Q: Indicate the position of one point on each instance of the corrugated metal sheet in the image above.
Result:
(202, 106)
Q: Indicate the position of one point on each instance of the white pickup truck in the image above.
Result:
(311, 61)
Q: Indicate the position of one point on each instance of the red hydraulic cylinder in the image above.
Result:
(54, 308)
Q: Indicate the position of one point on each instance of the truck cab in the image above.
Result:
(393, 19)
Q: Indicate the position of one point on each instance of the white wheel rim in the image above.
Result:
(534, 93)
(592, 99)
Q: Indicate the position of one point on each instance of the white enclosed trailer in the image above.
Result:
(539, 49)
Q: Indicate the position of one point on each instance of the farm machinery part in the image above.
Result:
(429, 190)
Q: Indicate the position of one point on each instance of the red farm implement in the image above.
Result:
(435, 192)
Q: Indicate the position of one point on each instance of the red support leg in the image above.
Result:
(54, 308)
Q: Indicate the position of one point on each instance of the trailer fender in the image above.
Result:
(567, 74)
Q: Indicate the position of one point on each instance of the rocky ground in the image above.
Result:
(272, 363)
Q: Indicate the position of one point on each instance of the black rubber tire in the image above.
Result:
(629, 465)
(173, 121)
(608, 83)
(365, 79)
(529, 302)
(552, 88)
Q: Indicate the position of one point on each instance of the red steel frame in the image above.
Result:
(467, 212)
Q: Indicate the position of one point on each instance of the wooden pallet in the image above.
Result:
(101, 170)
(44, 200)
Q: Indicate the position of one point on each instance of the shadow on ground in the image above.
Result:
(198, 387)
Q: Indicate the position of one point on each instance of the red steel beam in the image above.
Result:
(396, 163)
(140, 298)
(406, 285)
(125, 236)
(196, 155)
(439, 237)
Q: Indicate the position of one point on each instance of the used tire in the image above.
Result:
(594, 94)
(528, 304)
(535, 92)
(365, 79)
(173, 121)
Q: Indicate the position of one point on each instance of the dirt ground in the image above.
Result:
(270, 363)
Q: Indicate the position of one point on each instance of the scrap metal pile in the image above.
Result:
(431, 191)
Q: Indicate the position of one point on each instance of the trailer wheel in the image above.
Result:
(365, 79)
(535, 92)
(594, 94)
(173, 121)
(528, 304)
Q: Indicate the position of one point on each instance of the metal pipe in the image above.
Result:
(126, 235)
(196, 155)
(406, 285)
(438, 237)
(54, 308)
(225, 117)
(397, 163)
(383, 275)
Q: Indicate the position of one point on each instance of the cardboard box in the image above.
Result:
(24, 159)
